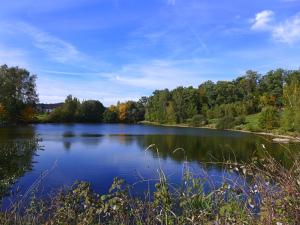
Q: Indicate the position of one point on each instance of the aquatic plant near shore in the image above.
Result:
(15, 160)
(272, 195)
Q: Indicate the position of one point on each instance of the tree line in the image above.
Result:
(274, 95)
(93, 111)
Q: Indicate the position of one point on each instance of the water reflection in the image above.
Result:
(87, 139)
(210, 149)
(98, 153)
(17, 149)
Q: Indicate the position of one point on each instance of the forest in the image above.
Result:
(275, 96)
(272, 99)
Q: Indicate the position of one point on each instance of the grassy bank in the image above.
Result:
(251, 125)
(271, 196)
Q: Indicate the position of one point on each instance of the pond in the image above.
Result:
(97, 153)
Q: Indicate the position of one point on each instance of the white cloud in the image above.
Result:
(262, 20)
(158, 74)
(171, 2)
(287, 31)
(88, 89)
(56, 48)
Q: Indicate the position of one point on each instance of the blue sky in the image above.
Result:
(122, 49)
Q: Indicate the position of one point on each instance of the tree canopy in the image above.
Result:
(18, 95)
(275, 95)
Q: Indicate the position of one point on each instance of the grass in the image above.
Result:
(253, 121)
(42, 117)
(271, 196)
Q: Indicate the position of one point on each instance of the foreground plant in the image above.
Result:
(270, 196)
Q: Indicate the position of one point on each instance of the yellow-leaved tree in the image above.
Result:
(122, 107)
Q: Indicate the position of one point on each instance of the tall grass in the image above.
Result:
(270, 195)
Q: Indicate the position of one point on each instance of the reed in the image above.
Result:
(270, 194)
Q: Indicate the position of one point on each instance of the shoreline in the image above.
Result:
(279, 138)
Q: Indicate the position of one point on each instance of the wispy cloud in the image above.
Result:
(71, 73)
(158, 74)
(54, 47)
(171, 2)
(88, 89)
(287, 31)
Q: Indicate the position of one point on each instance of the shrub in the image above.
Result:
(198, 121)
(226, 122)
(269, 118)
(240, 120)
(271, 197)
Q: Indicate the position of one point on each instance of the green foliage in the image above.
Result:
(74, 111)
(157, 106)
(91, 111)
(269, 118)
(226, 101)
(272, 85)
(226, 122)
(277, 189)
(229, 122)
(170, 113)
(241, 96)
(291, 113)
(69, 112)
(198, 121)
(229, 101)
(17, 91)
(15, 160)
(111, 115)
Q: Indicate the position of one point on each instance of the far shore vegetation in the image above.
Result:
(252, 102)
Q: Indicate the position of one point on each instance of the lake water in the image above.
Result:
(98, 153)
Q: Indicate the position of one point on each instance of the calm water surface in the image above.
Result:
(98, 153)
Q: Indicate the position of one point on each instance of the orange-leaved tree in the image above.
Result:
(27, 114)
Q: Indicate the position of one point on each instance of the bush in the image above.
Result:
(240, 120)
(226, 122)
(110, 116)
(269, 118)
(272, 198)
(198, 121)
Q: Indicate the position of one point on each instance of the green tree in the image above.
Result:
(170, 113)
(269, 118)
(111, 115)
(70, 111)
(186, 103)
(17, 91)
(73, 110)
(272, 85)
(157, 105)
(291, 113)
(91, 111)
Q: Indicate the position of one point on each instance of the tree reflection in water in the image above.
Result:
(211, 149)
(17, 148)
